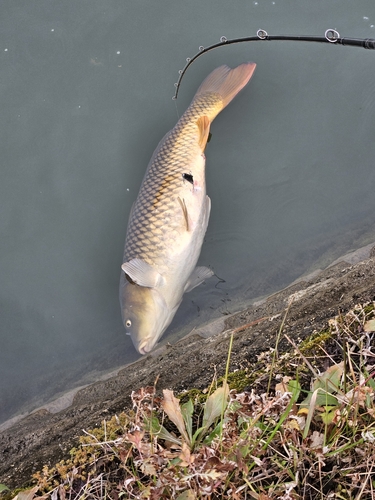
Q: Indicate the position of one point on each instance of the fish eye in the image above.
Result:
(128, 323)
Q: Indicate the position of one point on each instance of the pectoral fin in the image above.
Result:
(197, 277)
(142, 273)
(204, 130)
(207, 213)
(184, 211)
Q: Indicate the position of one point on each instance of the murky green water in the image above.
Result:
(86, 96)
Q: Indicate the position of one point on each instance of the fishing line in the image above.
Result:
(331, 36)
(178, 114)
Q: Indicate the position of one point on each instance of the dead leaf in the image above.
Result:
(310, 401)
(257, 460)
(303, 411)
(171, 406)
(317, 439)
(297, 422)
(185, 456)
(135, 438)
(187, 495)
(369, 326)
(368, 436)
(282, 387)
(360, 395)
(146, 493)
(214, 474)
(62, 492)
(27, 494)
(148, 469)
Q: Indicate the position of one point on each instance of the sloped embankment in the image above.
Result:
(45, 438)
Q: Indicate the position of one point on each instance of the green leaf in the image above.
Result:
(187, 410)
(329, 414)
(324, 386)
(325, 399)
(212, 435)
(215, 404)
(295, 388)
(3, 488)
(197, 433)
(153, 427)
(370, 381)
(330, 379)
(317, 398)
(175, 461)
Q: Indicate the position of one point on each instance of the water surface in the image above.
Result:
(86, 96)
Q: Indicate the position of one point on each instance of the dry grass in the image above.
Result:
(310, 434)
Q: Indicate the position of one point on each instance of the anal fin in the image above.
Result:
(197, 277)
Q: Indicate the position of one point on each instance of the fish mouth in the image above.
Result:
(145, 346)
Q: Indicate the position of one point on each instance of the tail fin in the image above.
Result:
(227, 82)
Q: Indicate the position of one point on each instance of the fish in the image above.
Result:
(169, 217)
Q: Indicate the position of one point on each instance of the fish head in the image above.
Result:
(145, 315)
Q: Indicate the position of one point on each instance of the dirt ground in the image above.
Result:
(46, 438)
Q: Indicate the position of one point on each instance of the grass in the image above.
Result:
(308, 434)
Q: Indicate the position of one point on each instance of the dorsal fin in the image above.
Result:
(204, 130)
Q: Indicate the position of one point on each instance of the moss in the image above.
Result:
(317, 340)
(9, 495)
(196, 395)
(237, 380)
(369, 308)
(81, 457)
(108, 432)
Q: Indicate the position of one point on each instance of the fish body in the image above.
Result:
(169, 218)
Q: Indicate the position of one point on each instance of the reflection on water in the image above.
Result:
(86, 97)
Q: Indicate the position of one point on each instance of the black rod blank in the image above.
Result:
(331, 36)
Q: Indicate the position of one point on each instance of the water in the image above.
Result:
(86, 95)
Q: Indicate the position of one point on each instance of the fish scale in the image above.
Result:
(155, 220)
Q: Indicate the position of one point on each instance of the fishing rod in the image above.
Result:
(330, 36)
